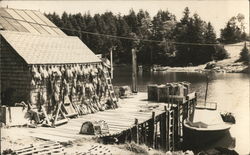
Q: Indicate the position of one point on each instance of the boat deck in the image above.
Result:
(118, 120)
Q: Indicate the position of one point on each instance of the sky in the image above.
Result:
(217, 12)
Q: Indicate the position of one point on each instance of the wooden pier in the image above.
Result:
(157, 125)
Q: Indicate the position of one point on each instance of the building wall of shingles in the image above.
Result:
(15, 75)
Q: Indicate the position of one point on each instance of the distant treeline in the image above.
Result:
(163, 27)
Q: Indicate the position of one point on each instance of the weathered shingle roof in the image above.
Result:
(47, 49)
(27, 21)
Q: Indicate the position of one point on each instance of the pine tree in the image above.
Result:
(131, 20)
(210, 35)
(123, 49)
(232, 33)
(195, 30)
(244, 55)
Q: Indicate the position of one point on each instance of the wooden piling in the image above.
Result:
(163, 130)
(134, 71)
(136, 131)
(143, 133)
(152, 131)
(155, 135)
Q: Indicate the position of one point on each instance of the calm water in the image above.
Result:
(230, 91)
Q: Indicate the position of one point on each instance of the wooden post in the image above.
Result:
(111, 62)
(187, 109)
(134, 71)
(130, 134)
(144, 133)
(178, 119)
(153, 130)
(163, 130)
(167, 130)
(155, 135)
(136, 131)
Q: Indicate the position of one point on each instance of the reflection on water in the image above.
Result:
(230, 91)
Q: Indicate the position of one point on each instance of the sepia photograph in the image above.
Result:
(125, 77)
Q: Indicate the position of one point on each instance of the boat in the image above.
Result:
(205, 125)
(159, 68)
(140, 68)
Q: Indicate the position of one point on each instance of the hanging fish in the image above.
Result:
(59, 73)
(49, 68)
(56, 87)
(44, 97)
(83, 90)
(33, 97)
(62, 69)
(69, 73)
(66, 87)
(78, 87)
(74, 82)
(73, 91)
(56, 95)
(36, 74)
(85, 70)
(33, 83)
(78, 70)
(44, 72)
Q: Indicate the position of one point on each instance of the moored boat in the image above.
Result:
(159, 68)
(204, 126)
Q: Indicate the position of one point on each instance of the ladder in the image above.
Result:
(171, 130)
(180, 120)
(110, 88)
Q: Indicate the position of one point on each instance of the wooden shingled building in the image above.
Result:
(47, 69)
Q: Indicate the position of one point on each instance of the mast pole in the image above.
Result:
(206, 89)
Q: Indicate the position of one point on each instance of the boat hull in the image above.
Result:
(195, 138)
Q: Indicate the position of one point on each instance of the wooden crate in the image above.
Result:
(162, 93)
(152, 92)
(186, 88)
(176, 89)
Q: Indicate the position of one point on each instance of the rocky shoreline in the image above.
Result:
(218, 68)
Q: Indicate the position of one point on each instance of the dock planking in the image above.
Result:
(118, 120)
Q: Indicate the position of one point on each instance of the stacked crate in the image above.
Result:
(152, 92)
(164, 92)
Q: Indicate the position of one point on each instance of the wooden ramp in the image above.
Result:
(136, 107)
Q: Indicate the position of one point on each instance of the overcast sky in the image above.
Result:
(217, 12)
